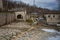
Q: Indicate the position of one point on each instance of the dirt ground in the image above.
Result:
(24, 31)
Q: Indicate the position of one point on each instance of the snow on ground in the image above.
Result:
(55, 37)
(49, 30)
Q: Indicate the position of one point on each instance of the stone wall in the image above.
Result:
(52, 18)
(10, 17)
(1, 4)
(6, 18)
(2, 19)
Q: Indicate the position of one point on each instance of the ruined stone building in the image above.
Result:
(11, 15)
(52, 18)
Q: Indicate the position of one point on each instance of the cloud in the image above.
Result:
(28, 1)
(52, 6)
(47, 1)
(49, 4)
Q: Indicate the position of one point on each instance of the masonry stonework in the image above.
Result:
(52, 18)
(22, 13)
(1, 4)
(6, 18)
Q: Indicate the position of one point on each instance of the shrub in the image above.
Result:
(29, 21)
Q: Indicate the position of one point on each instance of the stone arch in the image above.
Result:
(19, 16)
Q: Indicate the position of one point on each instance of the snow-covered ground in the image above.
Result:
(55, 37)
(50, 30)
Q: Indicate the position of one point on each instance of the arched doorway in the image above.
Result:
(19, 16)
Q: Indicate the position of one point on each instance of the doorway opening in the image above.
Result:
(19, 16)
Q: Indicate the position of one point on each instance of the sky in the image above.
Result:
(49, 4)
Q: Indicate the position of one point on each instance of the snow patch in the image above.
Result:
(57, 35)
(54, 38)
(50, 30)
